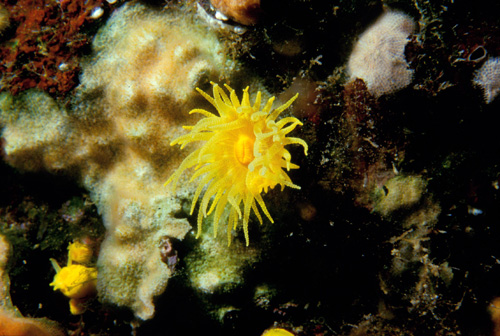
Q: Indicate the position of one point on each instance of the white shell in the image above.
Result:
(96, 13)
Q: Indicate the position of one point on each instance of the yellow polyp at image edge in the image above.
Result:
(277, 332)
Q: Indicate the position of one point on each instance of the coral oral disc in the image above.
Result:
(243, 149)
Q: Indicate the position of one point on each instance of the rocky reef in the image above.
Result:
(389, 224)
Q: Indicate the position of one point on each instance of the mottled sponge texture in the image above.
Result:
(114, 135)
(378, 56)
(487, 77)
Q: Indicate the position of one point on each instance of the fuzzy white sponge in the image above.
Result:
(488, 78)
(378, 56)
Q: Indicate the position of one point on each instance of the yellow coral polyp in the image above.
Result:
(277, 332)
(243, 155)
(75, 281)
(79, 253)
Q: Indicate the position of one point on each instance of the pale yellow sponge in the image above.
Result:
(115, 134)
(34, 127)
(133, 99)
(147, 59)
(378, 56)
(5, 252)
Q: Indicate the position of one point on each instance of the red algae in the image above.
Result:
(42, 51)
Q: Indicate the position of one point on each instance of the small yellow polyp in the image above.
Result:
(79, 253)
(243, 149)
(76, 281)
(77, 306)
(277, 332)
